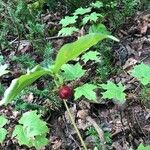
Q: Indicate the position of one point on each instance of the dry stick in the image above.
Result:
(135, 117)
(47, 38)
(74, 124)
(99, 131)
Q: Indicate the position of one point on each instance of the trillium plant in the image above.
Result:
(27, 132)
(66, 53)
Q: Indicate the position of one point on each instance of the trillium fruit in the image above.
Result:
(65, 92)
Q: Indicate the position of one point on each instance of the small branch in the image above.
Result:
(47, 38)
(99, 131)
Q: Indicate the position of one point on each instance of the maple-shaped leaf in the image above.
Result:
(40, 141)
(72, 72)
(86, 90)
(92, 17)
(99, 28)
(97, 4)
(19, 133)
(33, 124)
(114, 91)
(82, 11)
(142, 147)
(3, 69)
(91, 55)
(3, 131)
(3, 121)
(67, 31)
(68, 20)
(142, 73)
(31, 131)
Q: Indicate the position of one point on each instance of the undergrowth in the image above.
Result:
(21, 20)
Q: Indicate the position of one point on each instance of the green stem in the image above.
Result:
(74, 124)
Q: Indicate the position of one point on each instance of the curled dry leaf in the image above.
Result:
(129, 63)
(82, 114)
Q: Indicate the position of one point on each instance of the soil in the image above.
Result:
(129, 124)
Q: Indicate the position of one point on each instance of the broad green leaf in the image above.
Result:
(72, 72)
(92, 17)
(17, 85)
(95, 148)
(74, 49)
(142, 73)
(91, 55)
(82, 11)
(31, 131)
(20, 135)
(36, 127)
(3, 69)
(36, 5)
(68, 20)
(97, 4)
(3, 133)
(86, 90)
(28, 117)
(67, 31)
(1, 59)
(32, 124)
(3, 121)
(40, 141)
(99, 28)
(142, 147)
(113, 91)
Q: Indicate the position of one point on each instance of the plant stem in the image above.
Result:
(74, 124)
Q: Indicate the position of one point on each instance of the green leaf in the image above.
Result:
(97, 4)
(3, 121)
(31, 131)
(1, 59)
(113, 91)
(21, 136)
(95, 148)
(17, 85)
(40, 141)
(82, 11)
(99, 28)
(74, 49)
(33, 124)
(3, 69)
(91, 55)
(142, 73)
(3, 133)
(72, 72)
(86, 90)
(142, 147)
(67, 31)
(68, 20)
(92, 17)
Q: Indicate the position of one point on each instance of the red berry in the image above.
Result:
(65, 92)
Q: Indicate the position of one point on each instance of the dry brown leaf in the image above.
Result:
(57, 144)
(82, 114)
(130, 62)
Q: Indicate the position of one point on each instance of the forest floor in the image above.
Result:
(123, 126)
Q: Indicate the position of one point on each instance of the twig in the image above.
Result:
(135, 117)
(13, 41)
(47, 38)
(99, 131)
